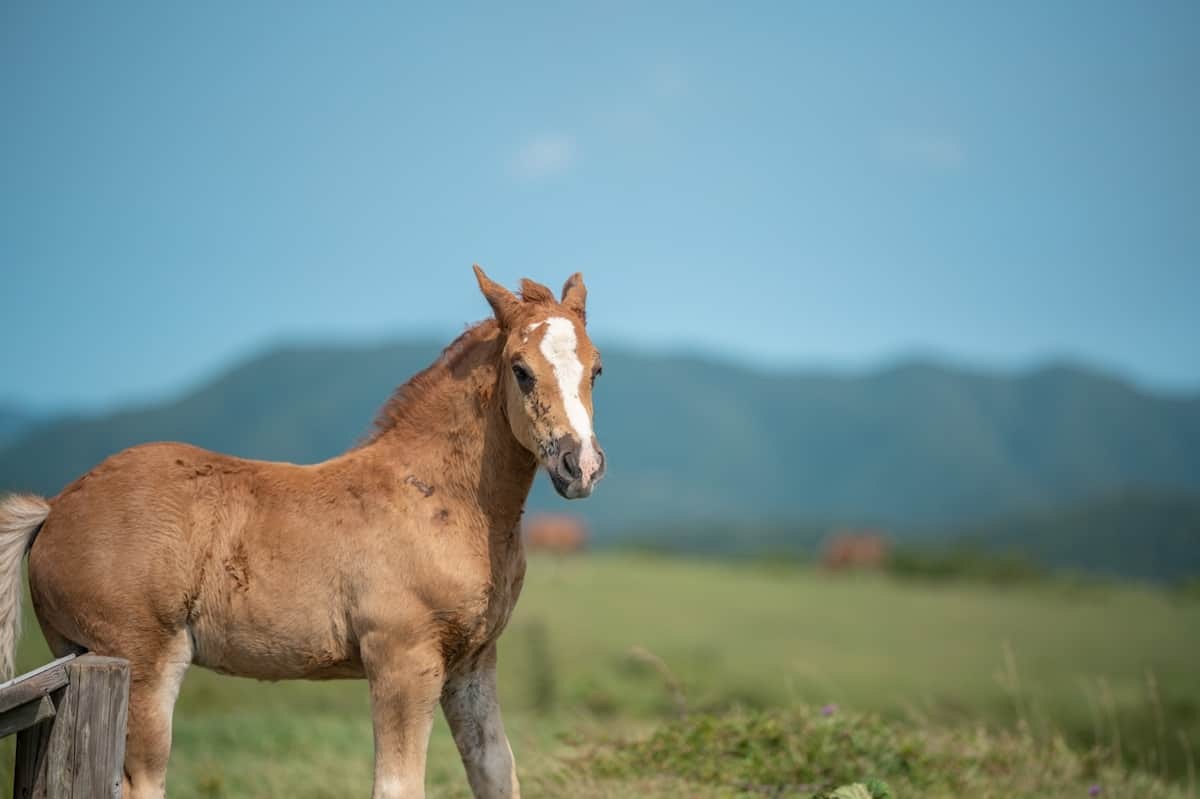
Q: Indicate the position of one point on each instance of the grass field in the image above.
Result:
(627, 675)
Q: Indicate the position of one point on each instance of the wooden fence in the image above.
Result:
(69, 717)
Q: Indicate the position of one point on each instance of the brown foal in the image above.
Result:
(399, 560)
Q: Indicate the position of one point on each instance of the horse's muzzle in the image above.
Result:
(575, 469)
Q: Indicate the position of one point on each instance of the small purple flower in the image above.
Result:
(1094, 790)
(830, 709)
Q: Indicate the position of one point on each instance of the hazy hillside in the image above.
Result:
(299, 405)
(696, 441)
(1129, 534)
(14, 421)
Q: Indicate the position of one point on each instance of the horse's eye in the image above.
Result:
(524, 377)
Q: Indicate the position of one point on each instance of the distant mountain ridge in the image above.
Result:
(694, 440)
(14, 421)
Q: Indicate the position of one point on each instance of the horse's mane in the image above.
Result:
(401, 406)
(407, 396)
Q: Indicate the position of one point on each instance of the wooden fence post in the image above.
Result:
(80, 752)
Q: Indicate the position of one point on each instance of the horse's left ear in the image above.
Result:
(574, 296)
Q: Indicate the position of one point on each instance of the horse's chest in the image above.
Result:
(479, 622)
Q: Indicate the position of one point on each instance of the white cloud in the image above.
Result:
(544, 155)
(924, 148)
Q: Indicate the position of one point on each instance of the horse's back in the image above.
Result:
(163, 539)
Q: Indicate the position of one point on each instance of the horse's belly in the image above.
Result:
(277, 643)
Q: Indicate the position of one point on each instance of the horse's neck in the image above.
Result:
(501, 471)
(457, 440)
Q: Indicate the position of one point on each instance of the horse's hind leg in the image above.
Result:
(153, 687)
(157, 664)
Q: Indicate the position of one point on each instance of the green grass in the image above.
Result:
(613, 665)
(802, 752)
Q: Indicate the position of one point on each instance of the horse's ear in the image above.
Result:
(574, 296)
(504, 303)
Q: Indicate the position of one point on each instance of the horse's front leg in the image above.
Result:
(406, 680)
(473, 712)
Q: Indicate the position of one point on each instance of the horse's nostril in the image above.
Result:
(570, 463)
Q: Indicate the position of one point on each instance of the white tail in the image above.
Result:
(20, 517)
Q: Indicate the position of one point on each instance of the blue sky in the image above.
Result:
(792, 184)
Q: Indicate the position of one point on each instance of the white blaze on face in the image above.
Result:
(558, 346)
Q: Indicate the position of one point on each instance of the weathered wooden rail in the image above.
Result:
(69, 717)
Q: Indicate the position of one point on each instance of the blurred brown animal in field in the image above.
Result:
(847, 550)
(556, 533)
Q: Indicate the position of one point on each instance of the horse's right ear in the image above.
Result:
(504, 303)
